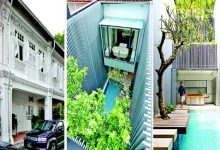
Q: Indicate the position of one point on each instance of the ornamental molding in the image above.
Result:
(19, 23)
(58, 93)
(3, 10)
(6, 74)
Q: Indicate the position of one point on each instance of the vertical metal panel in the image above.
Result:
(141, 103)
(201, 56)
(83, 42)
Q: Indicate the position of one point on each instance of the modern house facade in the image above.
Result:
(31, 69)
(117, 34)
(197, 67)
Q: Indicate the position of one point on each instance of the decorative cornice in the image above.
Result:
(7, 74)
(58, 93)
(19, 23)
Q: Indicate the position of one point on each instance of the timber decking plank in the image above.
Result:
(177, 121)
(162, 143)
(165, 133)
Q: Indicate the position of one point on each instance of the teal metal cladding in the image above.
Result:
(141, 103)
(84, 43)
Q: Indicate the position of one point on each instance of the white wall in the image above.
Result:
(126, 10)
(20, 102)
(159, 9)
(217, 40)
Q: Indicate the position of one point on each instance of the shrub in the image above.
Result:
(169, 108)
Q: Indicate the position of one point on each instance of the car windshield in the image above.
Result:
(39, 125)
(48, 125)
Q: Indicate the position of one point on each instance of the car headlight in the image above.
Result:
(42, 139)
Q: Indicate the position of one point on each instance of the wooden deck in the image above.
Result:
(177, 121)
(184, 108)
(162, 143)
(165, 133)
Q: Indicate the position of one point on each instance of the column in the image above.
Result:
(173, 87)
(6, 113)
(48, 107)
(1, 44)
(48, 65)
(218, 76)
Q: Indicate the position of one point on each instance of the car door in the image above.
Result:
(60, 132)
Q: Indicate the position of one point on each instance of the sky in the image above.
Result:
(52, 13)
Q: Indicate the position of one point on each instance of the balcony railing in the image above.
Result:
(19, 65)
(202, 56)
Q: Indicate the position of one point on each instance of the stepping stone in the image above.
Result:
(165, 133)
(177, 121)
(162, 143)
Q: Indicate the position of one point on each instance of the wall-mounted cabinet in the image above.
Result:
(195, 83)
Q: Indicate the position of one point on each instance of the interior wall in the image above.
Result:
(84, 43)
(199, 84)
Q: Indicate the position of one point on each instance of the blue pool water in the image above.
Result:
(203, 132)
(111, 93)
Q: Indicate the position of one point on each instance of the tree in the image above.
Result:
(59, 37)
(183, 25)
(74, 77)
(86, 116)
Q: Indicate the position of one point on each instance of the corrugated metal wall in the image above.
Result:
(84, 43)
(201, 56)
(141, 104)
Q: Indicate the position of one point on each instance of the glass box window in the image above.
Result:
(120, 43)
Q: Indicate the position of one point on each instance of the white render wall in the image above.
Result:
(159, 9)
(20, 102)
(16, 75)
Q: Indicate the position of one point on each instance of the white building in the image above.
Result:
(31, 68)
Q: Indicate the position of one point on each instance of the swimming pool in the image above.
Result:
(203, 132)
(111, 93)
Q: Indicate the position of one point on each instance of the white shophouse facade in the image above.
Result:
(31, 68)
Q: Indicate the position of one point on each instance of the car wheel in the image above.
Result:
(53, 146)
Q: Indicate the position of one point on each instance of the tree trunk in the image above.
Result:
(161, 105)
(163, 66)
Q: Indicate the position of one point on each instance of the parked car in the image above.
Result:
(49, 137)
(7, 146)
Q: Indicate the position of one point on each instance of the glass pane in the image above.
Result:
(119, 43)
(105, 41)
(134, 43)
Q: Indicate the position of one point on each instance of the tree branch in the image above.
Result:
(159, 47)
